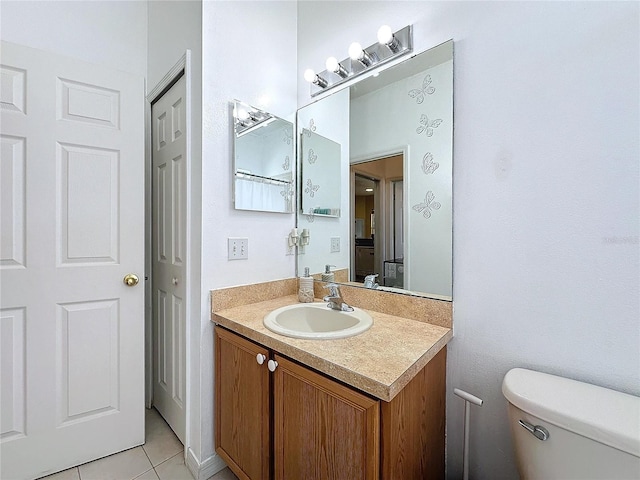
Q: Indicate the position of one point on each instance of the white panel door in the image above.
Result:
(72, 226)
(169, 256)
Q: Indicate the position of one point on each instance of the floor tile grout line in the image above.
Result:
(150, 462)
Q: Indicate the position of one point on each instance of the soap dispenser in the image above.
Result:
(305, 287)
(328, 275)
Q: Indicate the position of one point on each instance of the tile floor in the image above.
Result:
(160, 458)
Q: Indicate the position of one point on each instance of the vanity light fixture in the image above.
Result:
(243, 129)
(390, 46)
(336, 67)
(241, 114)
(387, 38)
(311, 77)
(247, 119)
(356, 52)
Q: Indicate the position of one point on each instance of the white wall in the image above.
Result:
(113, 34)
(546, 191)
(249, 55)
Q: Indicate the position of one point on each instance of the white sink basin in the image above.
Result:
(317, 321)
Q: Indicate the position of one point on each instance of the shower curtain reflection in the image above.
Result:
(266, 194)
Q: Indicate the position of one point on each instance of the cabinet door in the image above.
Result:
(322, 430)
(242, 406)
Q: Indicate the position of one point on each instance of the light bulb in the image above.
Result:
(355, 51)
(332, 64)
(242, 114)
(310, 75)
(385, 35)
(358, 54)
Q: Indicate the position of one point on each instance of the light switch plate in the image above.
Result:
(238, 248)
(335, 244)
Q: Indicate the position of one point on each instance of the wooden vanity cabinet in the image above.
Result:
(242, 410)
(322, 429)
(296, 423)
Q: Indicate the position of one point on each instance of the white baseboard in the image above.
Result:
(206, 469)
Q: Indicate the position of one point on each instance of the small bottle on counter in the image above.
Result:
(305, 287)
(328, 275)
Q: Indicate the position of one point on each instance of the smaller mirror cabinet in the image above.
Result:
(263, 160)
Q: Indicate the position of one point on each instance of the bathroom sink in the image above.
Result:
(317, 321)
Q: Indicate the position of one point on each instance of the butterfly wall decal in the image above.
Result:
(312, 156)
(288, 136)
(310, 216)
(312, 128)
(427, 89)
(427, 125)
(428, 165)
(311, 189)
(428, 204)
(287, 192)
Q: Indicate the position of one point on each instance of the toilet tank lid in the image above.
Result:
(604, 415)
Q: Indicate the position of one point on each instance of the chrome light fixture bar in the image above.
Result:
(390, 46)
(247, 119)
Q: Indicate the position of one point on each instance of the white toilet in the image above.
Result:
(565, 429)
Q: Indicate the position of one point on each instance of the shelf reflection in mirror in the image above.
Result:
(320, 174)
(263, 160)
(404, 113)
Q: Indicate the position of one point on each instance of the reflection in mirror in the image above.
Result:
(329, 118)
(320, 172)
(378, 201)
(263, 153)
(399, 144)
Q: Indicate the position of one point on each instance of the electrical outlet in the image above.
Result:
(335, 244)
(238, 248)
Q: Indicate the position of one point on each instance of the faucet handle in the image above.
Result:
(333, 289)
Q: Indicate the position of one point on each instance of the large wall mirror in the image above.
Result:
(263, 160)
(395, 132)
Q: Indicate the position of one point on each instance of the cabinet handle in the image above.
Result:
(260, 358)
(272, 365)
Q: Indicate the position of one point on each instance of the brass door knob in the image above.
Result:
(131, 280)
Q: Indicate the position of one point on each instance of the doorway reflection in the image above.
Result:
(377, 220)
(364, 224)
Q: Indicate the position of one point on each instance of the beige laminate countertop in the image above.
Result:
(380, 361)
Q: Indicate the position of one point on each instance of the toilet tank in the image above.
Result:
(593, 432)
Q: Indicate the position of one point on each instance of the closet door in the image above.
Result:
(169, 241)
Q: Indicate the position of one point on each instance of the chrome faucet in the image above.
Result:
(334, 299)
(370, 281)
